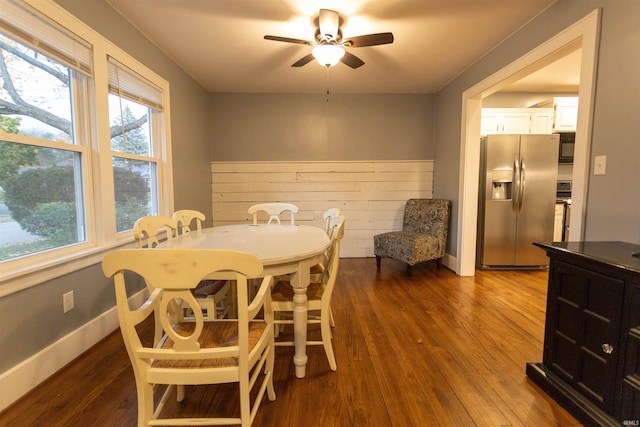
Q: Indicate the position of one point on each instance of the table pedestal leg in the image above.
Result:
(300, 282)
(300, 331)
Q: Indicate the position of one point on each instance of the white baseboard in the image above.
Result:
(451, 262)
(19, 380)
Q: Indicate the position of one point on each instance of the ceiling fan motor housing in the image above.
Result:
(328, 37)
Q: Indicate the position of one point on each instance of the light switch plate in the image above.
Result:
(600, 165)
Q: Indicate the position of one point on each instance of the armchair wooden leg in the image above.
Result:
(409, 270)
(438, 263)
(378, 262)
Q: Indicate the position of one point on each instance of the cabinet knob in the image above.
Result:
(607, 348)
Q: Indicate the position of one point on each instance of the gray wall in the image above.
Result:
(307, 127)
(613, 200)
(33, 318)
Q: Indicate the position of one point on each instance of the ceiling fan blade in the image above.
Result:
(303, 61)
(351, 60)
(369, 40)
(287, 40)
(328, 23)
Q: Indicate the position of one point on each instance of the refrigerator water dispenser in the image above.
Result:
(501, 183)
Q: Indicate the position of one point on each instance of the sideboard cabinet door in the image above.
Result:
(631, 376)
(582, 331)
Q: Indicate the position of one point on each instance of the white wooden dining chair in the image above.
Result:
(214, 296)
(330, 216)
(148, 230)
(186, 218)
(318, 295)
(195, 353)
(333, 220)
(274, 210)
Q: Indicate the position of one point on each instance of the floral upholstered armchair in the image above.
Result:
(423, 237)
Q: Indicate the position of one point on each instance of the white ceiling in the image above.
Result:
(220, 42)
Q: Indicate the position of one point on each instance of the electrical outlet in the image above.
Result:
(67, 301)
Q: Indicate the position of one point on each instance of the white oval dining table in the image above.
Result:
(283, 249)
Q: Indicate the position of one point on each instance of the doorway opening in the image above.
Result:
(581, 35)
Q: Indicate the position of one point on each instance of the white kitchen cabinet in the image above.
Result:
(504, 120)
(516, 120)
(490, 121)
(542, 122)
(565, 114)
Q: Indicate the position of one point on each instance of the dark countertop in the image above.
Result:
(618, 254)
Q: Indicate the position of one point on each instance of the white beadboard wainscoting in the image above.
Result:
(371, 194)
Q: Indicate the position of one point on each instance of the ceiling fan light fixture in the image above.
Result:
(328, 55)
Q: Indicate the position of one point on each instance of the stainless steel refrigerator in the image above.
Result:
(517, 195)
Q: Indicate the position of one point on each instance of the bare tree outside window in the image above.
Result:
(42, 197)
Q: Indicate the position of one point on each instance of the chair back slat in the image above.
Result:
(147, 230)
(330, 216)
(185, 219)
(274, 210)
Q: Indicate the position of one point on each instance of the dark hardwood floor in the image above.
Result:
(434, 349)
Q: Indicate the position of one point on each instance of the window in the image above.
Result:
(42, 202)
(57, 167)
(134, 179)
(134, 105)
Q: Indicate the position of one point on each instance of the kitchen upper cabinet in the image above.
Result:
(516, 120)
(565, 114)
(542, 121)
(498, 120)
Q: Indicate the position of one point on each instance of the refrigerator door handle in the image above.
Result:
(523, 184)
(516, 185)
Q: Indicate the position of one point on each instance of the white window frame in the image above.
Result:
(136, 88)
(97, 172)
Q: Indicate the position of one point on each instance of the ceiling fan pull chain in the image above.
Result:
(328, 83)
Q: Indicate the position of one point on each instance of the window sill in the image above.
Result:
(36, 274)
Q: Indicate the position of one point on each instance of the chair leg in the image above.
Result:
(409, 270)
(332, 322)
(271, 391)
(145, 402)
(325, 328)
(438, 263)
(378, 262)
(276, 326)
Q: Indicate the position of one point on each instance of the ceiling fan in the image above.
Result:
(329, 45)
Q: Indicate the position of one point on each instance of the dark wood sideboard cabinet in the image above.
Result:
(591, 356)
